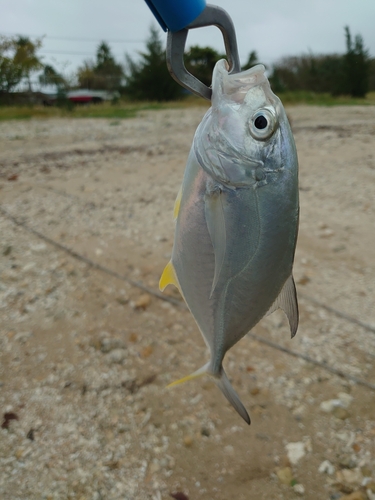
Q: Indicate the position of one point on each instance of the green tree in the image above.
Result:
(372, 74)
(86, 75)
(18, 60)
(335, 73)
(51, 77)
(316, 73)
(10, 72)
(200, 62)
(149, 78)
(26, 57)
(356, 66)
(104, 74)
(251, 61)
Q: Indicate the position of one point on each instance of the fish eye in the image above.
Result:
(262, 124)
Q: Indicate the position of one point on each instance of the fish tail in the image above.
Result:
(226, 388)
(202, 371)
(224, 385)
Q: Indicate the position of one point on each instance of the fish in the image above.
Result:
(236, 219)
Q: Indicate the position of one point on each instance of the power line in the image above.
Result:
(64, 52)
(76, 39)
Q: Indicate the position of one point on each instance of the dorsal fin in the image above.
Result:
(177, 204)
(287, 301)
(168, 277)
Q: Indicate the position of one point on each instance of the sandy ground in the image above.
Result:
(86, 356)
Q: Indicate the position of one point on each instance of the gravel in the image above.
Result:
(85, 357)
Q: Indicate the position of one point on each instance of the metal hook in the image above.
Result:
(211, 16)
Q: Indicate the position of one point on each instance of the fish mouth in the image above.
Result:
(236, 86)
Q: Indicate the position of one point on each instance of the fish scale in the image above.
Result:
(237, 219)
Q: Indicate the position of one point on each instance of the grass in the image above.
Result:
(121, 110)
(304, 97)
(127, 109)
(118, 111)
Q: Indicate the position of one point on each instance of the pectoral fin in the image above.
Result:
(287, 301)
(216, 227)
(168, 277)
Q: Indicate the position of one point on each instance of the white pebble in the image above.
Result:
(295, 451)
(326, 468)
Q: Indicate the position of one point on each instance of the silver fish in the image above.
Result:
(237, 218)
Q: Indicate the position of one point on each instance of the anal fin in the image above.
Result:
(287, 301)
(168, 277)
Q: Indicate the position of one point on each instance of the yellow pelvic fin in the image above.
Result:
(177, 204)
(168, 277)
(196, 374)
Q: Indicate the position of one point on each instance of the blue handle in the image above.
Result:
(174, 15)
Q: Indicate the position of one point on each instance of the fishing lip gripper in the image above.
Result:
(178, 18)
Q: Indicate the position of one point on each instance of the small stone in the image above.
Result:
(295, 451)
(179, 495)
(351, 476)
(348, 480)
(19, 453)
(285, 475)
(7, 418)
(345, 398)
(154, 467)
(7, 250)
(188, 441)
(339, 248)
(303, 280)
(326, 468)
(117, 356)
(299, 412)
(109, 344)
(347, 462)
(356, 447)
(366, 471)
(147, 351)
(122, 300)
(341, 413)
(30, 435)
(205, 432)
(22, 337)
(326, 233)
(143, 301)
(335, 496)
(328, 406)
(133, 337)
(356, 495)
(299, 489)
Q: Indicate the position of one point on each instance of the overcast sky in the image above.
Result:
(274, 28)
